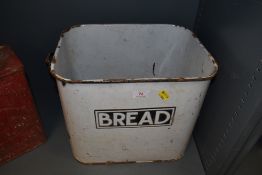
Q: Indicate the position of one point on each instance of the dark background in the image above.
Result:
(32, 28)
(229, 122)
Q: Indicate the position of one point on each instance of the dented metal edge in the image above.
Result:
(51, 60)
(127, 162)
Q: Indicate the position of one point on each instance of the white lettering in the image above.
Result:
(158, 113)
(119, 118)
(129, 117)
(146, 119)
(135, 118)
(104, 119)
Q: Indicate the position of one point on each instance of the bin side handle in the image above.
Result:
(49, 58)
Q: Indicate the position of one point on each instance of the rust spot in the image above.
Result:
(157, 161)
(77, 81)
(53, 60)
(104, 81)
(69, 28)
(194, 35)
(127, 161)
(106, 163)
(180, 79)
(63, 83)
(112, 162)
(171, 160)
(49, 59)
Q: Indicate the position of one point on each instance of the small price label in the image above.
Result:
(164, 95)
(140, 94)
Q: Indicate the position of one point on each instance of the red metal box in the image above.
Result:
(20, 128)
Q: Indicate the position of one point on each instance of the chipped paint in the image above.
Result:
(119, 141)
(128, 162)
(52, 60)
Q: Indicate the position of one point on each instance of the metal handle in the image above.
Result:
(49, 58)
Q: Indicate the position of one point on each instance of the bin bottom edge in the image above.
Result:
(127, 161)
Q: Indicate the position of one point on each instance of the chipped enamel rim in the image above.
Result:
(51, 61)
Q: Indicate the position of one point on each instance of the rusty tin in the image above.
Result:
(20, 128)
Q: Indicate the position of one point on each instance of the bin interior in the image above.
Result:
(131, 51)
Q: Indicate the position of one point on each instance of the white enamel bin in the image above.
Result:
(130, 93)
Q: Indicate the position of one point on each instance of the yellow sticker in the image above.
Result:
(163, 94)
